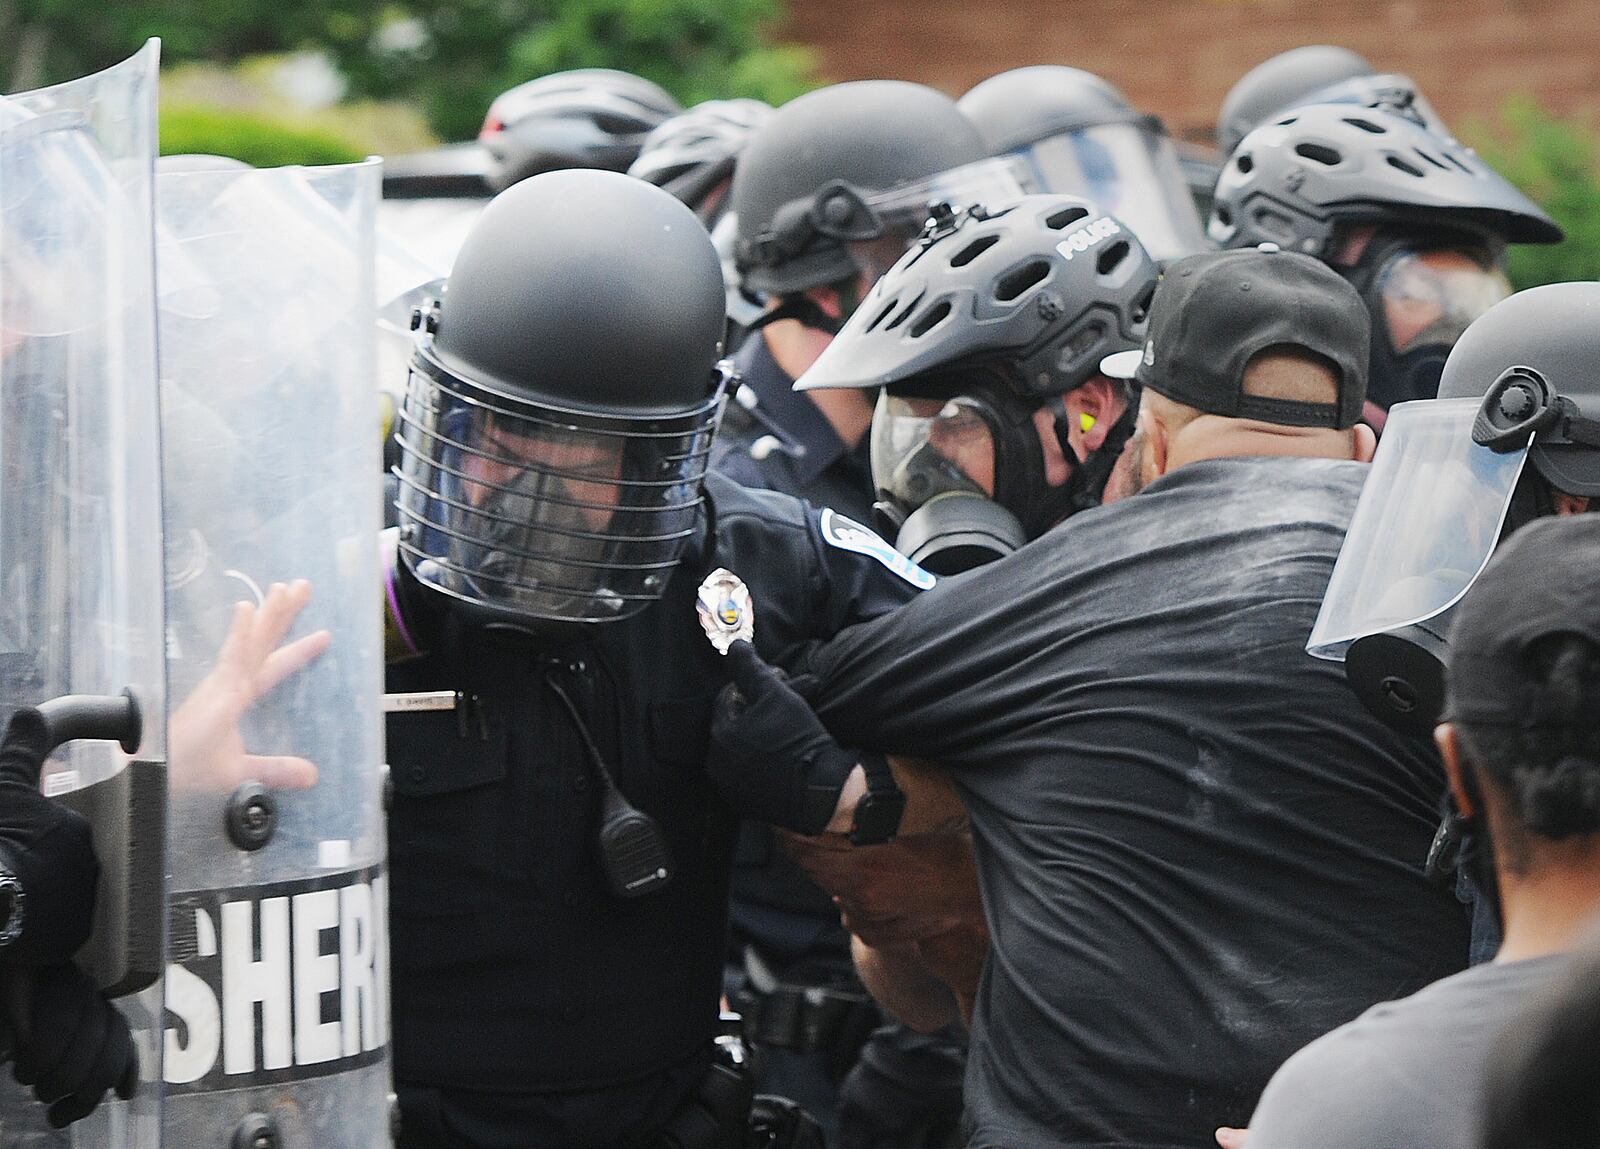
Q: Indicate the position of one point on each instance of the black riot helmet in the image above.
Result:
(1517, 420)
(1079, 135)
(1284, 81)
(562, 399)
(990, 317)
(843, 171)
(584, 118)
(1416, 222)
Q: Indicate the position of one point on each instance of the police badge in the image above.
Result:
(725, 611)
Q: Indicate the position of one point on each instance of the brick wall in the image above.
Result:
(1179, 57)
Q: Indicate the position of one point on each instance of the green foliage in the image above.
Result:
(1556, 163)
(452, 58)
(473, 50)
(257, 139)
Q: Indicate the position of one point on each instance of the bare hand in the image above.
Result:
(1232, 1138)
(205, 748)
(910, 888)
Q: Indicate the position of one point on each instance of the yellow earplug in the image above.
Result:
(1085, 423)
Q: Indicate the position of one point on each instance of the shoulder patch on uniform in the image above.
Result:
(849, 535)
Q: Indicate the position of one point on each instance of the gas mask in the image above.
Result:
(1421, 295)
(961, 479)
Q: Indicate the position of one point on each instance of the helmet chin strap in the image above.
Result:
(804, 310)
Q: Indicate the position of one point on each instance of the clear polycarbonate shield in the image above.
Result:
(277, 985)
(1428, 520)
(80, 509)
(1128, 171)
(922, 448)
(903, 209)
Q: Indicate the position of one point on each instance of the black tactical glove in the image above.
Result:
(47, 902)
(770, 754)
(67, 1040)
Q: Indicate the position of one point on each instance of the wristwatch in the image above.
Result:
(878, 814)
(12, 906)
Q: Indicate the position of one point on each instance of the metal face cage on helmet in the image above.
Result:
(1076, 134)
(540, 512)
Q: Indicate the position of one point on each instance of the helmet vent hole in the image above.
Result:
(1244, 163)
(973, 250)
(1112, 256)
(1435, 161)
(905, 314)
(930, 319)
(1406, 166)
(1319, 153)
(1287, 120)
(1018, 280)
(1066, 217)
(1456, 160)
(1141, 309)
(1224, 215)
(883, 313)
(1366, 125)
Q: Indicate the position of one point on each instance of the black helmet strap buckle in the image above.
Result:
(836, 212)
(1521, 405)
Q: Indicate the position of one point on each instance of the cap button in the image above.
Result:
(1269, 247)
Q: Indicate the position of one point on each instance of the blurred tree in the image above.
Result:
(453, 58)
(458, 57)
(1556, 162)
(263, 140)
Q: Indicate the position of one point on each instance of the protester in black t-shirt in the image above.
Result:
(1196, 849)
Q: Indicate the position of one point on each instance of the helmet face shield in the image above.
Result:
(1127, 171)
(923, 448)
(1431, 297)
(540, 513)
(1430, 515)
(902, 210)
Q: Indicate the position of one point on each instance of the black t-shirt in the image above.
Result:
(1198, 851)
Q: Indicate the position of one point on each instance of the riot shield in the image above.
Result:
(277, 983)
(80, 513)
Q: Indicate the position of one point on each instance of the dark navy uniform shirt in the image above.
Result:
(517, 975)
(776, 906)
(1197, 849)
(826, 473)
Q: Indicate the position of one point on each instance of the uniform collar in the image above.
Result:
(800, 418)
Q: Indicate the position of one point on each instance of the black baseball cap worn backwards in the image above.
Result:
(1544, 580)
(1215, 311)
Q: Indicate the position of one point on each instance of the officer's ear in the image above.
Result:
(1461, 792)
(1094, 407)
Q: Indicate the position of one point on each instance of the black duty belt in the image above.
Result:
(798, 1017)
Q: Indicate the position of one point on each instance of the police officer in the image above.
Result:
(1078, 135)
(1417, 223)
(1514, 436)
(65, 1039)
(995, 423)
(828, 194)
(560, 856)
(826, 197)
